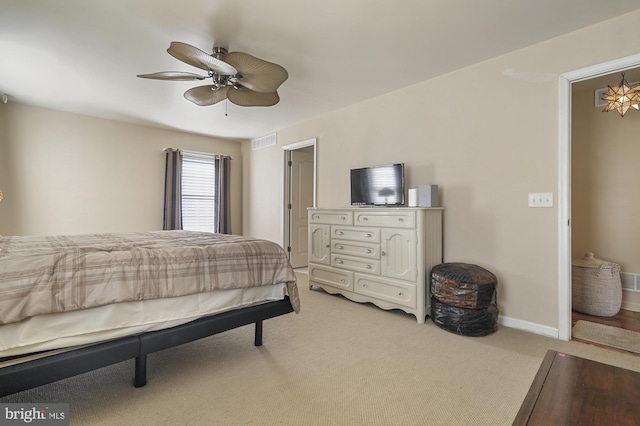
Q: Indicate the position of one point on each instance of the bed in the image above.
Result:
(71, 304)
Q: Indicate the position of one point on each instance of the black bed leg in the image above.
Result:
(140, 378)
(258, 341)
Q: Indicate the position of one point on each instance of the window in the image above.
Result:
(199, 192)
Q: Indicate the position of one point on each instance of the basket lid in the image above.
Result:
(589, 261)
(464, 273)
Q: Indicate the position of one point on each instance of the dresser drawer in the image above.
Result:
(368, 266)
(396, 292)
(332, 217)
(352, 233)
(331, 276)
(352, 248)
(395, 219)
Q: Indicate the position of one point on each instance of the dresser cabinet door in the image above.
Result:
(398, 254)
(319, 243)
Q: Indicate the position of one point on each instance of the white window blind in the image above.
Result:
(199, 201)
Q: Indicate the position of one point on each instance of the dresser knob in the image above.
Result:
(364, 286)
(369, 266)
(342, 280)
(401, 219)
(365, 218)
(328, 245)
(340, 233)
(369, 251)
(400, 294)
(369, 235)
(339, 261)
(384, 253)
(340, 248)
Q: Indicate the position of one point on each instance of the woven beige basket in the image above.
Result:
(595, 286)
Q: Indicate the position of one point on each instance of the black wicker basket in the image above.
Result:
(467, 322)
(463, 285)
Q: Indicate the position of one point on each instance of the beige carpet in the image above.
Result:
(606, 335)
(336, 363)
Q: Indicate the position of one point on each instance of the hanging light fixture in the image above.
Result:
(622, 97)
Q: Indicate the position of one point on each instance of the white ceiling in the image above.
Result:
(82, 56)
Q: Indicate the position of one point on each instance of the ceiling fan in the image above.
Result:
(239, 77)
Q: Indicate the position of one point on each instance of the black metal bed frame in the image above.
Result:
(37, 372)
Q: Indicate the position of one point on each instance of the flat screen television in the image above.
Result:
(378, 185)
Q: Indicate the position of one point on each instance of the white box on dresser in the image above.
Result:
(380, 255)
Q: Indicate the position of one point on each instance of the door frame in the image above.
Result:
(286, 185)
(564, 179)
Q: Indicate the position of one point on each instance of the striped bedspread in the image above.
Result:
(41, 275)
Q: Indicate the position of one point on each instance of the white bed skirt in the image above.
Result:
(67, 329)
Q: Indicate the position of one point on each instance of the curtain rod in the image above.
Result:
(204, 154)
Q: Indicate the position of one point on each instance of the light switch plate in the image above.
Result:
(541, 199)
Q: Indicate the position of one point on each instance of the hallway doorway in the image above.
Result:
(300, 194)
(564, 191)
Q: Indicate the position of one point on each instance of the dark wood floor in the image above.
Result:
(570, 390)
(628, 320)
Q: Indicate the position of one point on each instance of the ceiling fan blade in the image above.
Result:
(247, 97)
(199, 59)
(206, 95)
(173, 75)
(257, 74)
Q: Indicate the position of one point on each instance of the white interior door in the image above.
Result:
(301, 192)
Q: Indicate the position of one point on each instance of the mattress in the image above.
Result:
(64, 291)
(107, 322)
(52, 274)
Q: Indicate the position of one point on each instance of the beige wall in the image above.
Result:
(6, 214)
(262, 174)
(605, 185)
(487, 135)
(65, 173)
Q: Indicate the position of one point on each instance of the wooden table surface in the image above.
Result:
(569, 390)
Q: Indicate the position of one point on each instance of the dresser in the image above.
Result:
(377, 255)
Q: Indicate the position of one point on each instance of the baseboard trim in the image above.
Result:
(631, 306)
(529, 326)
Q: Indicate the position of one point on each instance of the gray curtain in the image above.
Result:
(172, 191)
(223, 166)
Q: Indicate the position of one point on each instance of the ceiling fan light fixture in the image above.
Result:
(253, 81)
(220, 80)
(622, 97)
(219, 52)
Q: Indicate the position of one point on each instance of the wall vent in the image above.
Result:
(264, 141)
(630, 282)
